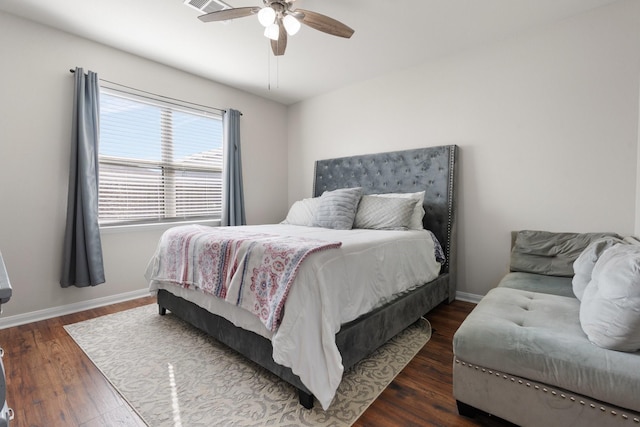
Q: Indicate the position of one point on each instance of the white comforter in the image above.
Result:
(332, 287)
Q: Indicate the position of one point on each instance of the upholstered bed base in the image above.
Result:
(430, 169)
(530, 403)
(355, 340)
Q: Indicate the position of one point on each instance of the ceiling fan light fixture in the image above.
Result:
(291, 24)
(266, 16)
(272, 32)
(280, 20)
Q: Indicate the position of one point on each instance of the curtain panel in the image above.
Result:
(233, 193)
(82, 257)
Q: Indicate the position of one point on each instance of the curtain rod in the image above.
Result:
(155, 94)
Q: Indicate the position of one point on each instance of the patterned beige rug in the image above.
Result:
(174, 375)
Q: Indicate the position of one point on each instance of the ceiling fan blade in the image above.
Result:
(226, 14)
(279, 46)
(325, 24)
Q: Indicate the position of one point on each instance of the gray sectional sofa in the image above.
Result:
(523, 354)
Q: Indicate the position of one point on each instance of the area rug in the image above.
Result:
(173, 374)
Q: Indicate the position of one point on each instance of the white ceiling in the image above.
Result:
(389, 35)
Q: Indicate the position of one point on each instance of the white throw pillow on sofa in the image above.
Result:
(583, 265)
(610, 307)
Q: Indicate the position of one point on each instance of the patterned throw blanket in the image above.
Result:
(251, 270)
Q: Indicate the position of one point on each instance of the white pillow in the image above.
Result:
(418, 210)
(302, 212)
(384, 213)
(610, 307)
(583, 265)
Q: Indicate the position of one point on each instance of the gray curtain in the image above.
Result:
(82, 263)
(233, 193)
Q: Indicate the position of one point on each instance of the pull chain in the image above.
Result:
(269, 69)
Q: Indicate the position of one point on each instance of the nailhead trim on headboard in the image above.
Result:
(450, 219)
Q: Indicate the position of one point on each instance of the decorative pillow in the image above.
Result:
(302, 212)
(418, 210)
(337, 208)
(384, 213)
(583, 265)
(550, 253)
(610, 307)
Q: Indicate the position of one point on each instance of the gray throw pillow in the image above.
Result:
(337, 209)
(384, 213)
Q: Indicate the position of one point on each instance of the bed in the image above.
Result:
(432, 170)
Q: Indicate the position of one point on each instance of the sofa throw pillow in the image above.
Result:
(384, 213)
(302, 212)
(337, 208)
(583, 265)
(418, 210)
(550, 253)
(610, 307)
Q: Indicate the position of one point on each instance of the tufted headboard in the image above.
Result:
(431, 169)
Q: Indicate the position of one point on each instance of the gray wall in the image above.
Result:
(35, 121)
(547, 124)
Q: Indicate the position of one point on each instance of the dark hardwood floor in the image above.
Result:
(50, 382)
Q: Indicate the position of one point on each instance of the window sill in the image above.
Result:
(158, 226)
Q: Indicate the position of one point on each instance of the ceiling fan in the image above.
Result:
(279, 19)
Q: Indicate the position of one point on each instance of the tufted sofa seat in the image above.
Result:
(523, 356)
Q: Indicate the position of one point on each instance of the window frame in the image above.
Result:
(168, 169)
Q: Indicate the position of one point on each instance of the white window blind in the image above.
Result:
(158, 161)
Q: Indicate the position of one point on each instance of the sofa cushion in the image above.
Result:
(583, 265)
(553, 285)
(550, 253)
(538, 336)
(610, 309)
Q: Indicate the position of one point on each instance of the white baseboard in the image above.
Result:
(36, 316)
(464, 296)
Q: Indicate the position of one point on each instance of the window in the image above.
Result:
(158, 161)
